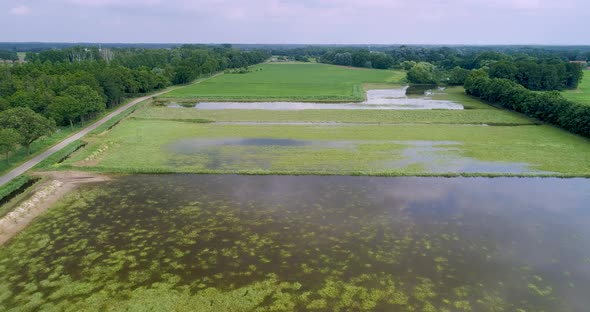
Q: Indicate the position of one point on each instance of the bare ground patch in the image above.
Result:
(44, 196)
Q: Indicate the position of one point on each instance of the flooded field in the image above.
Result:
(398, 99)
(278, 243)
(266, 153)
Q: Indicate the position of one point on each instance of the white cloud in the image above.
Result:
(20, 10)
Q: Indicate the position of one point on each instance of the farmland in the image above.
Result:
(479, 140)
(289, 82)
(309, 210)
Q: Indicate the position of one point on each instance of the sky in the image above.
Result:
(562, 22)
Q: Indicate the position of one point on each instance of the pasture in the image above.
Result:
(289, 82)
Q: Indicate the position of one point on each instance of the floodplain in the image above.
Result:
(279, 243)
(295, 219)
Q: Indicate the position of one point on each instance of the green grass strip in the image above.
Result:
(8, 190)
(58, 157)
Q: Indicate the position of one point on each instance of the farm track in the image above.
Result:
(39, 158)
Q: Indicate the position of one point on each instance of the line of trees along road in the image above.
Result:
(69, 86)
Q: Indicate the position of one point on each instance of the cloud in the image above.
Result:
(114, 3)
(302, 21)
(20, 10)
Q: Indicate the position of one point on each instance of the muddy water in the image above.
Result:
(376, 99)
(307, 243)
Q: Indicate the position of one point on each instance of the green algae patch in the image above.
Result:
(277, 243)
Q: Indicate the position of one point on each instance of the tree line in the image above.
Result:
(69, 86)
(538, 69)
(7, 55)
(550, 107)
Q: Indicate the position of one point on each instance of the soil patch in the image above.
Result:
(44, 196)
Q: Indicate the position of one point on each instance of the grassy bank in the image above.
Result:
(21, 155)
(289, 81)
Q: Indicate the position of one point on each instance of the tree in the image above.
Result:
(30, 125)
(9, 138)
(90, 101)
(503, 69)
(4, 104)
(407, 65)
(380, 60)
(65, 109)
(344, 59)
(422, 73)
(458, 75)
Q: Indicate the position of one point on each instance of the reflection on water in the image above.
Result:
(376, 99)
(423, 90)
(444, 157)
(250, 154)
(224, 243)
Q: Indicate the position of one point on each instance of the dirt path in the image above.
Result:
(39, 158)
(44, 196)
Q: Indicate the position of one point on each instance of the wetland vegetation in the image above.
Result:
(253, 238)
(276, 243)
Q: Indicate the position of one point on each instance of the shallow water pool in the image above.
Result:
(239, 243)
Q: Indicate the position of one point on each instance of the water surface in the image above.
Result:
(233, 243)
(261, 153)
(376, 99)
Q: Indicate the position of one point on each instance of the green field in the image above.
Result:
(480, 140)
(582, 94)
(289, 81)
(491, 117)
(144, 146)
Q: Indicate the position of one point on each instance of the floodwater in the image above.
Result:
(251, 154)
(376, 99)
(445, 156)
(288, 243)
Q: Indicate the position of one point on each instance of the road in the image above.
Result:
(39, 158)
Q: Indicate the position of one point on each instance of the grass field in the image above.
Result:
(480, 140)
(145, 146)
(582, 94)
(289, 81)
(491, 117)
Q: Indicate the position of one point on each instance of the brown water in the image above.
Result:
(223, 243)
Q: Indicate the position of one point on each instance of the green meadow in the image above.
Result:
(582, 94)
(234, 242)
(289, 81)
(166, 146)
(479, 140)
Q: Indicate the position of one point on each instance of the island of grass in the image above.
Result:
(308, 82)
